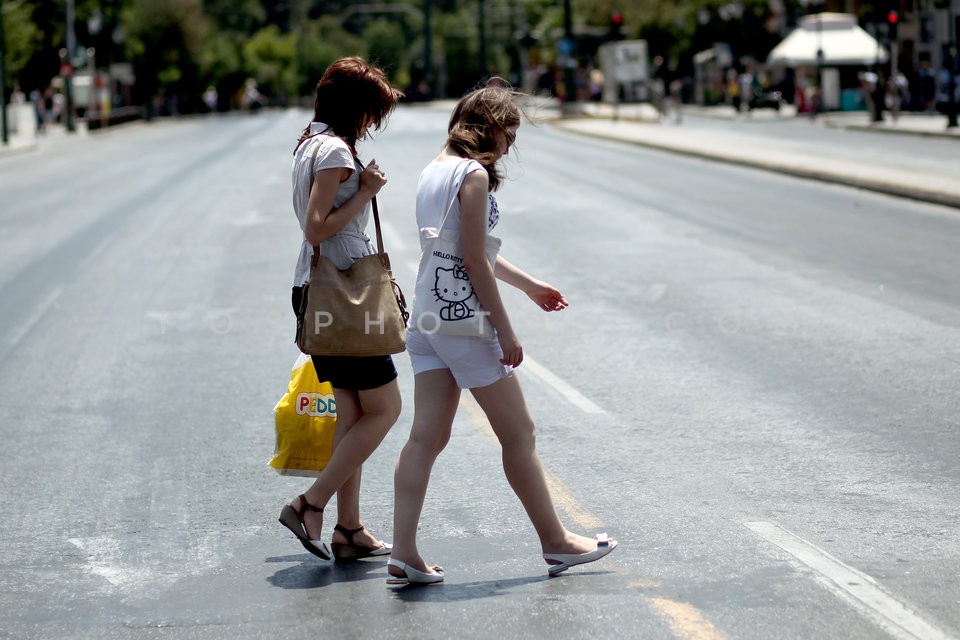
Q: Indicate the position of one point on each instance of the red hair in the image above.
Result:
(350, 93)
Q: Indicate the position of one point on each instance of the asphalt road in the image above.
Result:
(754, 390)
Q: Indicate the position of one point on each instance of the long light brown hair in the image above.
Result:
(479, 119)
(351, 91)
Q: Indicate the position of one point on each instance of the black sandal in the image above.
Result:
(350, 550)
(293, 519)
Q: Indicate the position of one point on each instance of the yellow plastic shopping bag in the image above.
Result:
(306, 418)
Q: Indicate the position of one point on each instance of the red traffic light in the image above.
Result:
(616, 18)
(892, 17)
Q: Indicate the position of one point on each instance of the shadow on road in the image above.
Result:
(312, 573)
(447, 592)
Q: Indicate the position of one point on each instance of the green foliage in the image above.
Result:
(271, 60)
(387, 46)
(23, 38)
(182, 46)
(319, 43)
(221, 57)
(164, 36)
(241, 16)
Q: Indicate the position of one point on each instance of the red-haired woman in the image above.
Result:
(332, 191)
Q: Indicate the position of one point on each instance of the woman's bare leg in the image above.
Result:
(436, 397)
(505, 408)
(348, 495)
(378, 411)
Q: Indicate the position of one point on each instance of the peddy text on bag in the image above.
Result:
(317, 405)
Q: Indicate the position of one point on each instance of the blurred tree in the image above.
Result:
(387, 46)
(457, 34)
(165, 42)
(319, 43)
(271, 59)
(23, 38)
(243, 16)
(221, 62)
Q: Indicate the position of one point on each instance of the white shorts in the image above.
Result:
(474, 362)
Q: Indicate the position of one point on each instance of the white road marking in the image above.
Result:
(560, 385)
(852, 585)
(48, 301)
(103, 554)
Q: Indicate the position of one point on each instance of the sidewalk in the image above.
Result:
(641, 124)
(27, 143)
(908, 122)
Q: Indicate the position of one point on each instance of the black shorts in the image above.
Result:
(356, 373)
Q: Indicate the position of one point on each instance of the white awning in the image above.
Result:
(839, 37)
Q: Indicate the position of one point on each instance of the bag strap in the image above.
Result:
(376, 217)
(376, 213)
(450, 200)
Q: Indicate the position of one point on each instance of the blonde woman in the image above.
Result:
(482, 129)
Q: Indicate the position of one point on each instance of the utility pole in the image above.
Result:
(3, 80)
(68, 81)
(569, 78)
(428, 50)
(952, 84)
(483, 38)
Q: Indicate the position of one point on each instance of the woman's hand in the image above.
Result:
(546, 297)
(372, 179)
(512, 350)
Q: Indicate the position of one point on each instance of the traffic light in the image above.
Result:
(893, 19)
(616, 25)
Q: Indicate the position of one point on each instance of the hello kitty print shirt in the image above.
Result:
(493, 212)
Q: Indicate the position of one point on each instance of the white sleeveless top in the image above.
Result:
(435, 192)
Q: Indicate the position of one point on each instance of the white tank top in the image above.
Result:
(438, 188)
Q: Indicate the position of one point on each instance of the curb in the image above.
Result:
(903, 132)
(9, 150)
(901, 191)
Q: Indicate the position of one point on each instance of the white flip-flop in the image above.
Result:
(560, 562)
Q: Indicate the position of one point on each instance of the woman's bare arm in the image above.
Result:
(473, 235)
(323, 220)
(543, 294)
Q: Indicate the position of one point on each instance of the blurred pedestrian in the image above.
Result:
(927, 85)
(332, 191)
(868, 83)
(252, 99)
(17, 96)
(746, 82)
(456, 192)
(897, 94)
(879, 96)
(210, 99)
(676, 99)
(39, 109)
